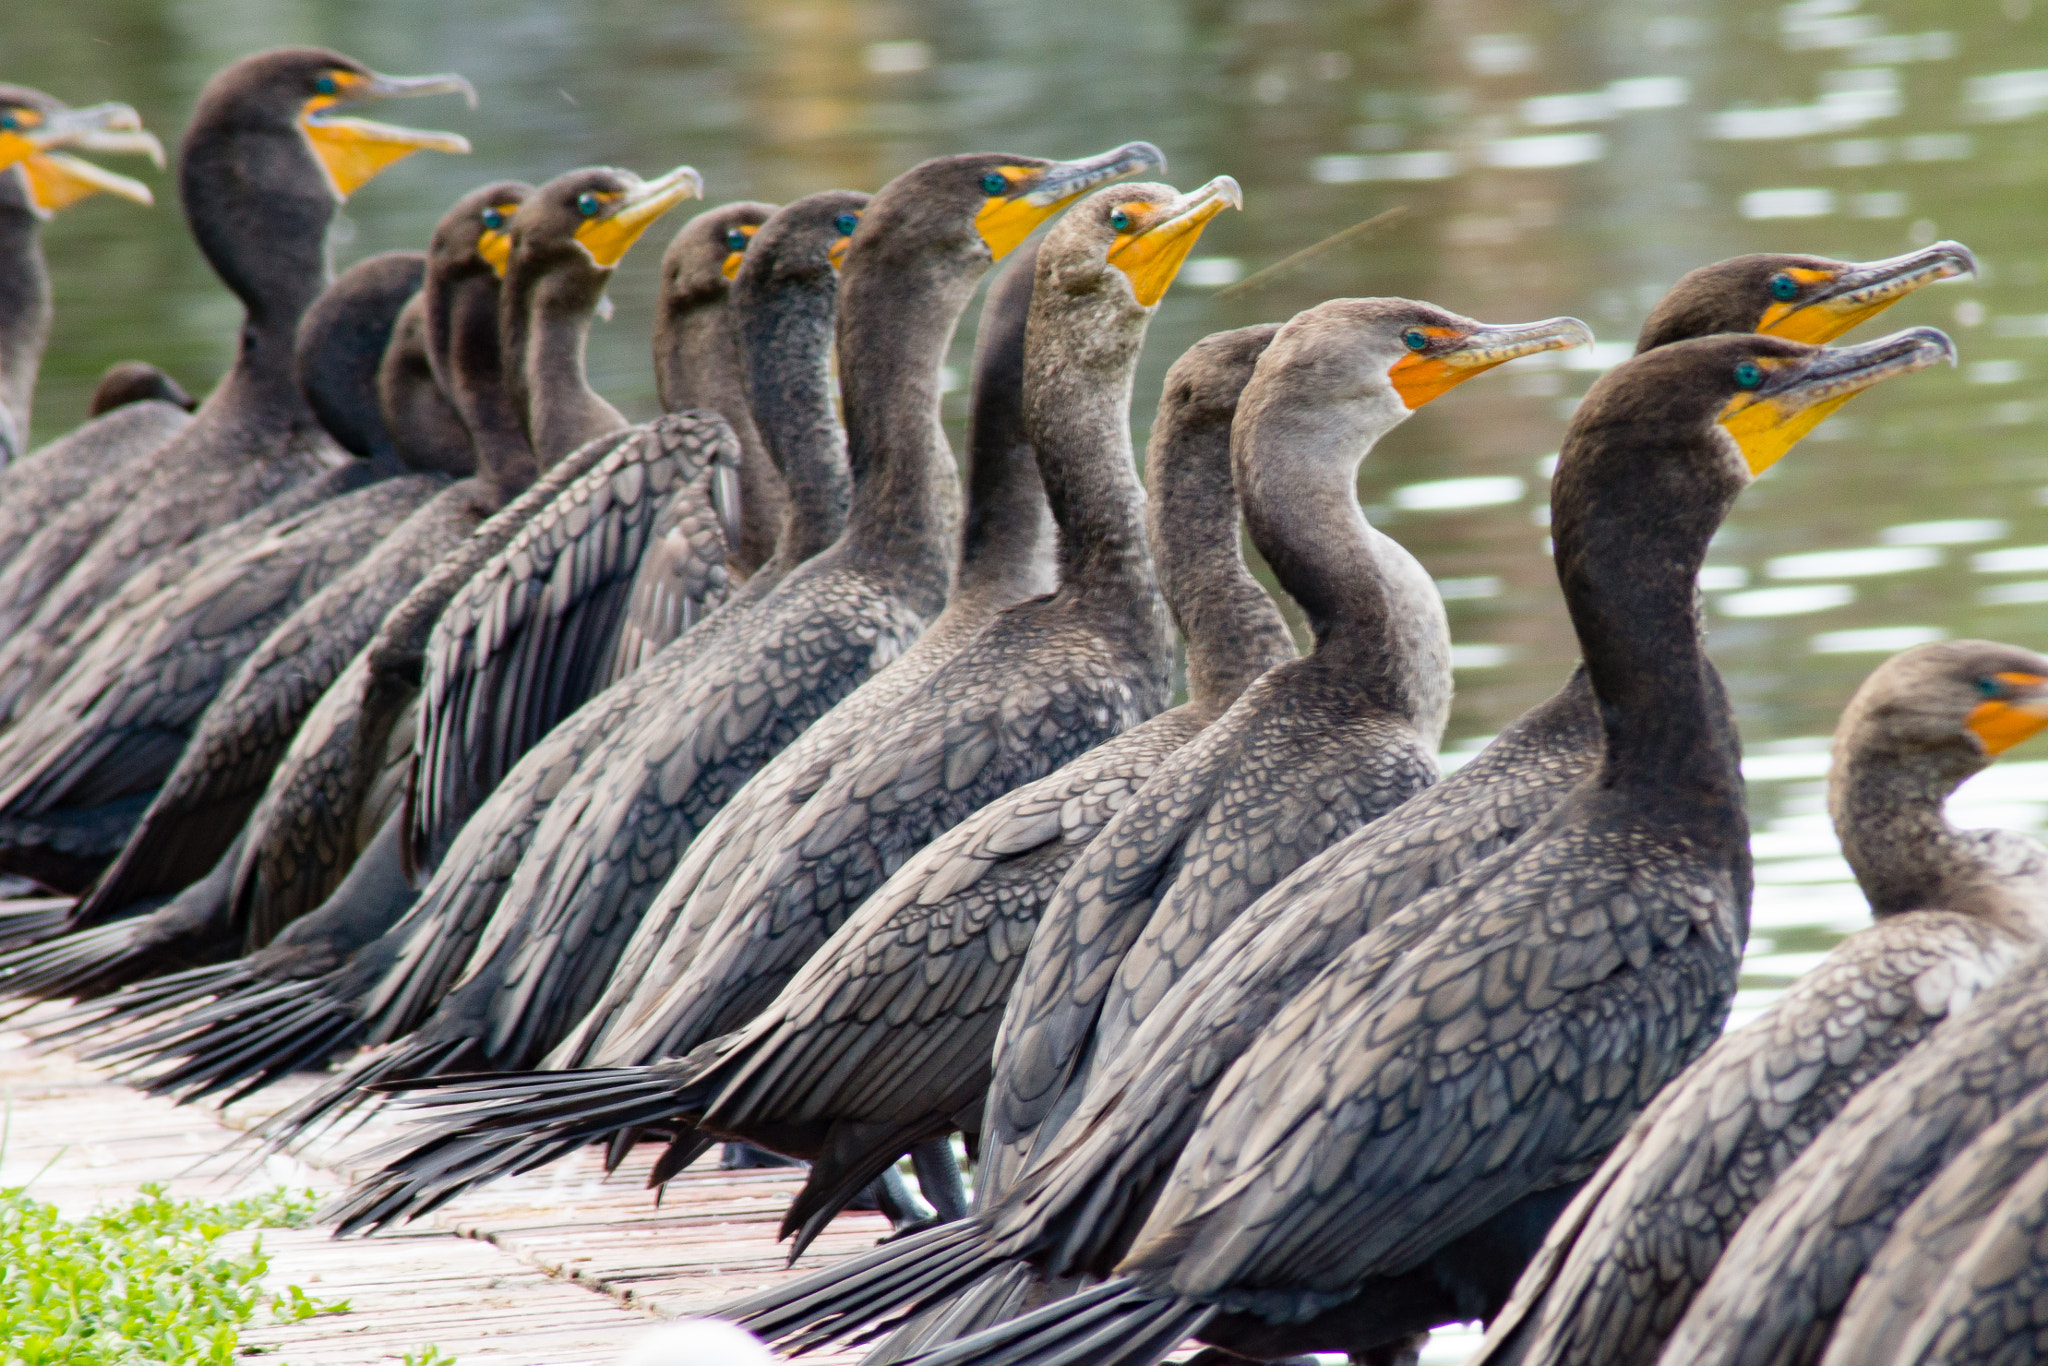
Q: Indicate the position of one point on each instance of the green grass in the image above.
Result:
(143, 1283)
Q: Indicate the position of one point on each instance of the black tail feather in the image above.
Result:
(346, 1094)
(1115, 1324)
(89, 1021)
(31, 920)
(873, 1292)
(84, 962)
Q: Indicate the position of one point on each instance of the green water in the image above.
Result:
(1554, 158)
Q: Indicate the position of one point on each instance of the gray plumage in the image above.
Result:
(1956, 910)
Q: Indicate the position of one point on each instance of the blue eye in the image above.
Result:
(1120, 220)
(735, 240)
(588, 204)
(1784, 287)
(493, 219)
(10, 120)
(994, 183)
(1990, 687)
(327, 85)
(1414, 339)
(846, 223)
(1749, 374)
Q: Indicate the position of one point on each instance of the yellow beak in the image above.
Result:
(354, 151)
(1005, 220)
(57, 180)
(96, 128)
(2002, 723)
(1796, 395)
(609, 238)
(1151, 253)
(1863, 291)
(495, 246)
(1431, 373)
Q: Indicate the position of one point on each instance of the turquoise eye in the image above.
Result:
(493, 219)
(735, 240)
(846, 223)
(1749, 374)
(1414, 339)
(1120, 220)
(588, 204)
(1784, 288)
(994, 183)
(10, 120)
(1989, 687)
(327, 85)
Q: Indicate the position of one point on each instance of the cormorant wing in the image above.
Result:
(682, 573)
(530, 636)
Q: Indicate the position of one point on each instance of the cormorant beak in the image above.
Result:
(730, 267)
(836, 253)
(1160, 236)
(57, 180)
(2002, 722)
(495, 244)
(1797, 392)
(1036, 193)
(95, 128)
(1451, 357)
(1862, 291)
(353, 151)
(609, 238)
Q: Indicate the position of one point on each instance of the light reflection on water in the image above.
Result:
(1574, 157)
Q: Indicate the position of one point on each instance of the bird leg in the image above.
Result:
(938, 1176)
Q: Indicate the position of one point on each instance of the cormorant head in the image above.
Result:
(976, 208)
(33, 125)
(592, 217)
(1949, 707)
(476, 232)
(804, 241)
(303, 90)
(705, 254)
(1804, 298)
(1125, 245)
(1203, 385)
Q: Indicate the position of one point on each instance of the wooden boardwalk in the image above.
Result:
(561, 1267)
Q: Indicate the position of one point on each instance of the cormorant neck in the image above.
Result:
(1079, 365)
(1631, 529)
(697, 365)
(1377, 621)
(463, 344)
(258, 204)
(897, 313)
(784, 329)
(1887, 807)
(25, 308)
(545, 315)
(1233, 631)
(1007, 532)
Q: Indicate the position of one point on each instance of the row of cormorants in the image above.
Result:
(753, 776)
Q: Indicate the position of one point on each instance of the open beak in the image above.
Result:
(1151, 253)
(96, 128)
(353, 151)
(1451, 359)
(57, 180)
(1864, 291)
(609, 238)
(2003, 722)
(1005, 220)
(1797, 394)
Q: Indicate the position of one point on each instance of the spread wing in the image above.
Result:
(529, 636)
(682, 574)
(1619, 1268)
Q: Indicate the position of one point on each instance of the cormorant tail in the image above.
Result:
(1116, 1324)
(87, 1024)
(870, 1295)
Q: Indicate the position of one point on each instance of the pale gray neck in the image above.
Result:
(1377, 620)
(785, 341)
(1887, 803)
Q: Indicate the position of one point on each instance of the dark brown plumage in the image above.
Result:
(1357, 1213)
(135, 381)
(258, 198)
(1955, 910)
